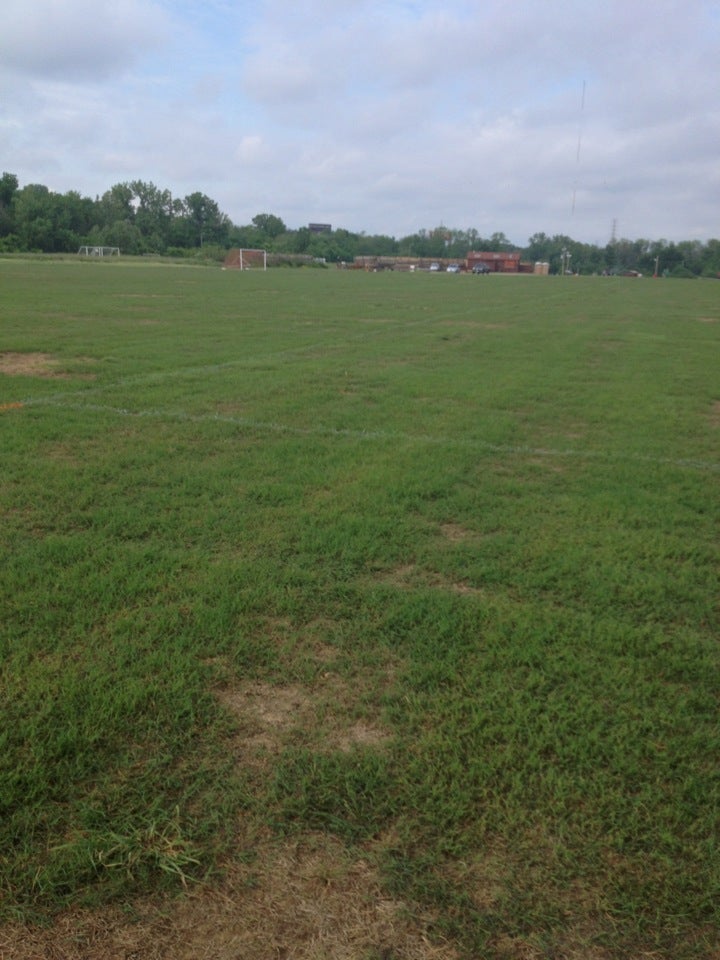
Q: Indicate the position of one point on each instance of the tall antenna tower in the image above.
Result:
(577, 153)
(613, 235)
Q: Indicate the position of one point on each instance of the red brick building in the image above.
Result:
(502, 262)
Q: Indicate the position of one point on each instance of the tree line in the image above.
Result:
(141, 218)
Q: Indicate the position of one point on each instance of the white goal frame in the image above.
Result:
(256, 261)
(91, 251)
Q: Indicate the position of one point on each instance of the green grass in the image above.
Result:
(505, 488)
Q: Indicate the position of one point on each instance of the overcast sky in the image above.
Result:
(383, 117)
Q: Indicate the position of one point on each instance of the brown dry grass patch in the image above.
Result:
(27, 364)
(333, 706)
(305, 899)
(326, 716)
(410, 576)
(455, 532)
(43, 365)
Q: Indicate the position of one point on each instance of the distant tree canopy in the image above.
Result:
(142, 218)
(138, 217)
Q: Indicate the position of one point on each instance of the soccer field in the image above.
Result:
(390, 597)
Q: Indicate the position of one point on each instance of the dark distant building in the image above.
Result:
(319, 227)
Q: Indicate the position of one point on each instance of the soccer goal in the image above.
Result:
(99, 251)
(247, 259)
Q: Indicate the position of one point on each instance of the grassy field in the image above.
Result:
(405, 585)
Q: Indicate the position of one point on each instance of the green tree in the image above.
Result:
(207, 223)
(424, 243)
(379, 245)
(294, 241)
(499, 242)
(332, 246)
(154, 212)
(540, 248)
(691, 253)
(269, 225)
(35, 219)
(125, 235)
(117, 204)
(711, 259)
(8, 189)
(76, 214)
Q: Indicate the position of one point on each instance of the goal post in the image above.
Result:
(245, 258)
(92, 251)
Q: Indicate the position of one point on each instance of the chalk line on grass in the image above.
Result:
(269, 426)
(208, 369)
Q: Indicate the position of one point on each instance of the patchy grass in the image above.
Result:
(308, 896)
(39, 365)
(363, 616)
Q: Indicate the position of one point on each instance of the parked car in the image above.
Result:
(481, 268)
(434, 267)
(453, 268)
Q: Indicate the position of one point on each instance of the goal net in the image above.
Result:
(99, 251)
(247, 259)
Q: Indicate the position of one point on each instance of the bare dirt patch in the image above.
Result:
(27, 364)
(147, 296)
(305, 899)
(715, 414)
(466, 589)
(330, 704)
(324, 716)
(410, 576)
(455, 532)
(406, 575)
(38, 365)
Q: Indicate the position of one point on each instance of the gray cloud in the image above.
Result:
(77, 39)
(379, 117)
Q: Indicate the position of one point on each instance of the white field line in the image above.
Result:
(264, 426)
(208, 369)
(60, 400)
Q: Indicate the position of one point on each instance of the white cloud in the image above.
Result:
(252, 150)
